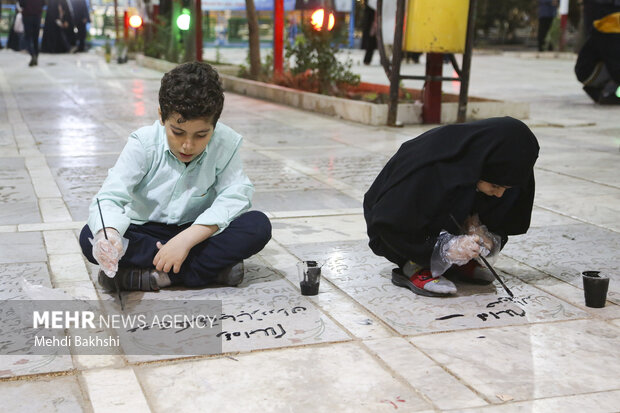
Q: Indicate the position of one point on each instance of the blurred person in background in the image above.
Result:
(31, 15)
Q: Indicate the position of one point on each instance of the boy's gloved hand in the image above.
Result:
(108, 252)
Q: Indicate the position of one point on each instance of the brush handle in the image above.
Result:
(105, 234)
(484, 260)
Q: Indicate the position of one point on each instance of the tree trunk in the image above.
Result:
(252, 17)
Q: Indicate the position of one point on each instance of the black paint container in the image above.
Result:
(595, 289)
(309, 277)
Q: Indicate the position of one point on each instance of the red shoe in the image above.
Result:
(473, 273)
(422, 282)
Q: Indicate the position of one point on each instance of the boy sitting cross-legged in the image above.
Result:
(175, 202)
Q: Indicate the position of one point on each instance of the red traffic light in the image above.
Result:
(135, 21)
(316, 20)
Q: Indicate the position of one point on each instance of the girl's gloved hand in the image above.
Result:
(491, 242)
(461, 249)
(108, 252)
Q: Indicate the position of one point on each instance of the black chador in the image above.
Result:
(434, 177)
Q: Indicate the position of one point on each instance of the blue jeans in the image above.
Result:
(32, 26)
(244, 237)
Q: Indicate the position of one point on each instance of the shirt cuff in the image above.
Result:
(117, 221)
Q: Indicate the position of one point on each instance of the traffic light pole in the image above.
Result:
(198, 30)
(278, 36)
(397, 55)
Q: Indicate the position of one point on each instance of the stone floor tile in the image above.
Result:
(47, 394)
(12, 274)
(367, 279)
(51, 226)
(354, 167)
(596, 166)
(18, 212)
(104, 390)
(319, 229)
(264, 300)
(16, 247)
(302, 200)
(42, 180)
(91, 361)
(61, 242)
(348, 313)
(554, 286)
(603, 402)
(15, 360)
(552, 186)
(565, 251)
(342, 378)
(542, 218)
(316, 212)
(53, 210)
(598, 210)
(270, 133)
(443, 389)
(68, 268)
(530, 362)
(79, 179)
(273, 175)
(28, 364)
(82, 290)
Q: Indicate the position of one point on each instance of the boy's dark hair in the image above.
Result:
(193, 90)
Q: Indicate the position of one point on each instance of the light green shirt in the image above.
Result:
(149, 184)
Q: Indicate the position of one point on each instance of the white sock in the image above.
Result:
(409, 268)
(162, 278)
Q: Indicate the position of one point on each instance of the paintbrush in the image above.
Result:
(484, 260)
(105, 234)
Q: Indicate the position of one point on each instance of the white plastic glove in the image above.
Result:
(461, 249)
(108, 252)
(453, 249)
(491, 243)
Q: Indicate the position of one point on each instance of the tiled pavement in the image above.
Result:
(362, 344)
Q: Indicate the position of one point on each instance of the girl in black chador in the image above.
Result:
(476, 176)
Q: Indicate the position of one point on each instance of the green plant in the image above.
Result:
(107, 49)
(161, 44)
(266, 68)
(313, 55)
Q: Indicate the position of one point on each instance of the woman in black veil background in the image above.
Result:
(15, 41)
(57, 21)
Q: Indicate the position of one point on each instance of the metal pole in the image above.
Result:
(396, 58)
(199, 30)
(351, 24)
(431, 95)
(563, 23)
(116, 20)
(126, 27)
(466, 67)
(278, 36)
(387, 68)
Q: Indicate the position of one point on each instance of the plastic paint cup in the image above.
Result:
(309, 274)
(595, 289)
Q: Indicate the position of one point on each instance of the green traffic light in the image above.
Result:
(618, 92)
(183, 20)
